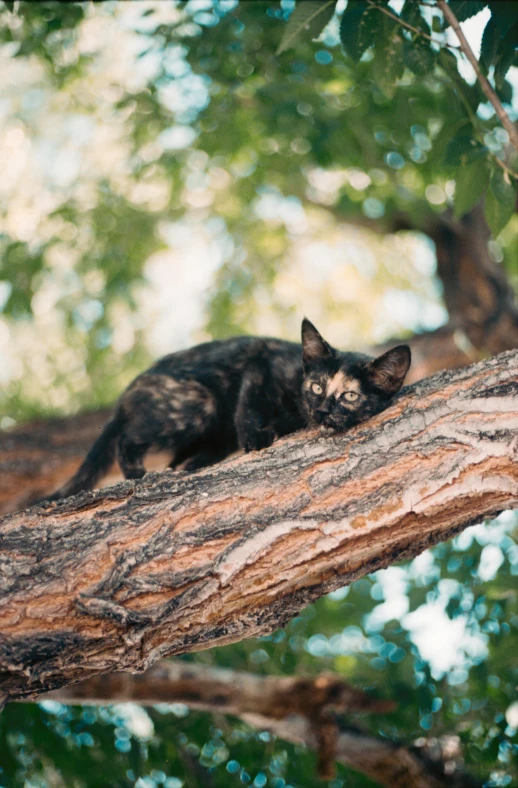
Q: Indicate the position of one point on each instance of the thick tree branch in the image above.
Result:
(296, 709)
(502, 115)
(117, 579)
(236, 692)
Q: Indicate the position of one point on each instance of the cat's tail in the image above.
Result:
(96, 463)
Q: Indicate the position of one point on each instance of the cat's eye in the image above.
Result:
(351, 396)
(316, 388)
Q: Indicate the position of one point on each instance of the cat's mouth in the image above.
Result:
(326, 429)
(328, 426)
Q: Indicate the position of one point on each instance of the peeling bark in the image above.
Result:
(116, 579)
(296, 709)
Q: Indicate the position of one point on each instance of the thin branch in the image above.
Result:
(505, 168)
(299, 709)
(476, 132)
(485, 85)
(409, 26)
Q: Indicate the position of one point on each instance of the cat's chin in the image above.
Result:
(326, 430)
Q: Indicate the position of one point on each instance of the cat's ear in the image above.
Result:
(314, 347)
(388, 371)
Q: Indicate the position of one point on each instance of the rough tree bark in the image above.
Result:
(306, 710)
(117, 579)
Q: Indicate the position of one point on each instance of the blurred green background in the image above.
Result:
(167, 178)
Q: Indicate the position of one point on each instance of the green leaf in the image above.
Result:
(464, 9)
(308, 15)
(412, 15)
(504, 91)
(472, 94)
(504, 14)
(418, 56)
(463, 149)
(470, 184)
(358, 27)
(490, 42)
(500, 202)
(388, 65)
(506, 57)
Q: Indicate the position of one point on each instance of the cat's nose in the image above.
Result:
(323, 411)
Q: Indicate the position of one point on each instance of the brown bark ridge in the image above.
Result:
(297, 709)
(116, 579)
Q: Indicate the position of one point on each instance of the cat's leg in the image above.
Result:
(254, 412)
(204, 458)
(130, 455)
(167, 414)
(193, 456)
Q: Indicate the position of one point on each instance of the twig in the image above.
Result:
(505, 168)
(409, 26)
(484, 84)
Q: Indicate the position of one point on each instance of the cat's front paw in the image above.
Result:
(134, 473)
(259, 439)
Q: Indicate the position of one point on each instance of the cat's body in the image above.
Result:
(204, 403)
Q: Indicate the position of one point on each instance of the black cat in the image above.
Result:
(204, 403)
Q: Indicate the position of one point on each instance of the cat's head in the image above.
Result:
(342, 389)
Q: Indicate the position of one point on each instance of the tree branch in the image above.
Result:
(484, 83)
(294, 708)
(117, 579)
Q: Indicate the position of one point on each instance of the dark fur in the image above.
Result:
(204, 403)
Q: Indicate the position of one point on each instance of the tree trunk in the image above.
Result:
(299, 710)
(479, 299)
(117, 579)
(481, 303)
